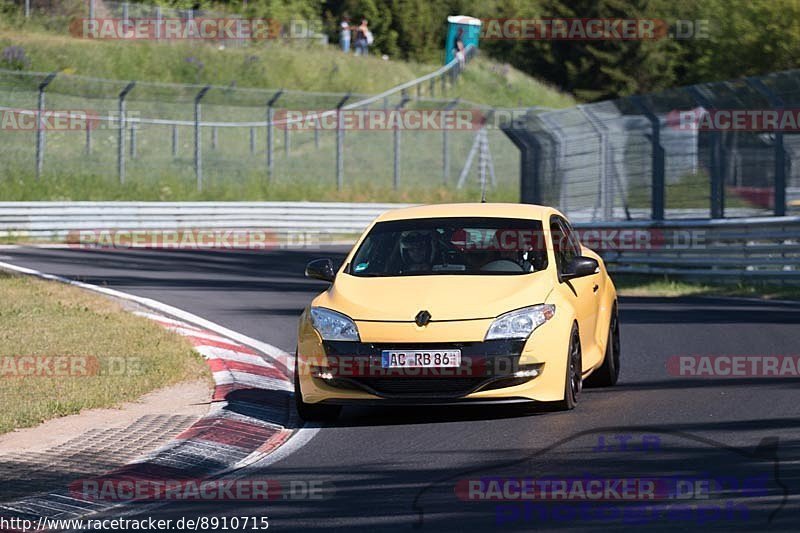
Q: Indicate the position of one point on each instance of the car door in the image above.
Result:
(583, 292)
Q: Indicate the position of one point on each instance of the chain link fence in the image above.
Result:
(237, 141)
(714, 150)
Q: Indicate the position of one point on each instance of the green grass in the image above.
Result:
(636, 285)
(256, 188)
(690, 191)
(132, 355)
(304, 66)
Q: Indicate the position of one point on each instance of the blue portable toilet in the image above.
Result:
(470, 29)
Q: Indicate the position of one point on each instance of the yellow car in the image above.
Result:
(458, 303)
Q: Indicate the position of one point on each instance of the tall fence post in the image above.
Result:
(606, 192)
(717, 178)
(88, 137)
(779, 207)
(40, 122)
(446, 146)
(270, 126)
(91, 9)
(125, 16)
(530, 156)
(198, 155)
(340, 143)
(658, 184)
(252, 140)
(159, 22)
(287, 148)
(133, 140)
(396, 174)
(174, 140)
(121, 133)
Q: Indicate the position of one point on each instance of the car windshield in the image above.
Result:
(471, 246)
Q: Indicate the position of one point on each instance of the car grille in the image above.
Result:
(424, 387)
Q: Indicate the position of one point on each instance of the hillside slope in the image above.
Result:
(303, 66)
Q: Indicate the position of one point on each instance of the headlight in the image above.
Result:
(333, 326)
(520, 324)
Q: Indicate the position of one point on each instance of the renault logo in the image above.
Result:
(422, 318)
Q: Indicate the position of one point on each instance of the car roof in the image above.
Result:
(490, 210)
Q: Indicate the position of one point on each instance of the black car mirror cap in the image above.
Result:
(321, 269)
(580, 267)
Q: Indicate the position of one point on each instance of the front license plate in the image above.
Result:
(421, 358)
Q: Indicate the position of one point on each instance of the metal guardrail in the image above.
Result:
(764, 248)
(55, 220)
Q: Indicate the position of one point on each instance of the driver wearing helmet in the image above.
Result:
(416, 251)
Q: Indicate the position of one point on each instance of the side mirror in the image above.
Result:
(321, 269)
(580, 267)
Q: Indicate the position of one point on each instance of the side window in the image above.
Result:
(565, 246)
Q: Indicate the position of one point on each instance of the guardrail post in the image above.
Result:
(433, 87)
(214, 137)
(779, 207)
(717, 178)
(121, 133)
(270, 127)
(658, 186)
(286, 141)
(198, 155)
(340, 143)
(396, 175)
(446, 146)
(252, 140)
(174, 140)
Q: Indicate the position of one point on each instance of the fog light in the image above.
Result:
(526, 373)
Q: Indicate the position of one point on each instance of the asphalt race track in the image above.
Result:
(405, 468)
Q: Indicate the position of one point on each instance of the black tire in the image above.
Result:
(573, 382)
(312, 412)
(608, 374)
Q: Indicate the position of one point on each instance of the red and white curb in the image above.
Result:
(251, 419)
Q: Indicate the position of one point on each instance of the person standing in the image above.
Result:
(344, 36)
(459, 51)
(363, 38)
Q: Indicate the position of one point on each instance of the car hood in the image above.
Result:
(445, 297)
